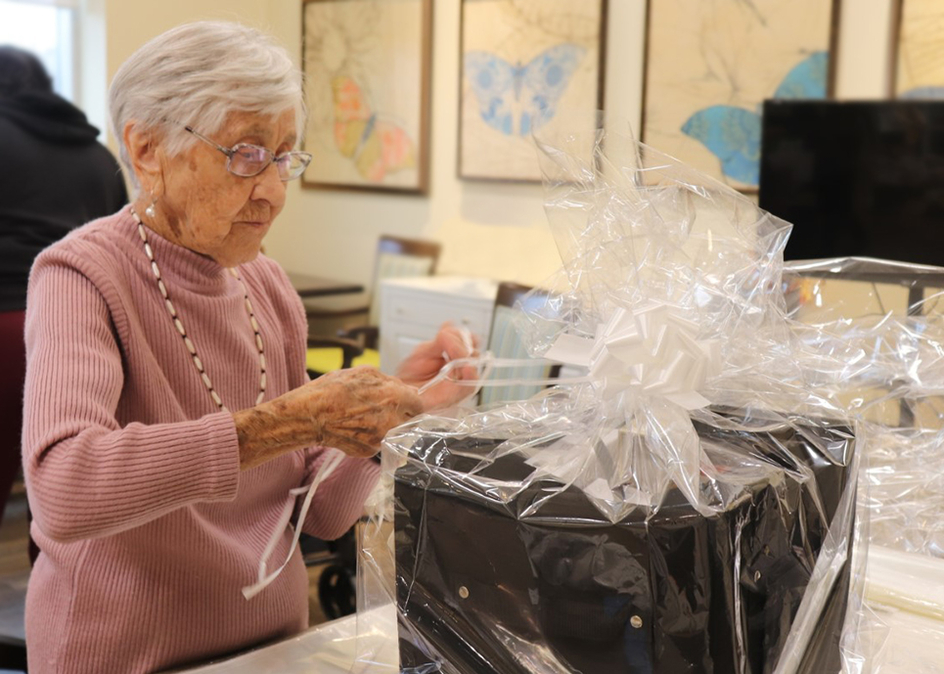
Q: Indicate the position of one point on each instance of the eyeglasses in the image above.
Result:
(247, 160)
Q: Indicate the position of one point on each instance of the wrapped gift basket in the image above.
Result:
(682, 500)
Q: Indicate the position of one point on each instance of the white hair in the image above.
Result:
(198, 73)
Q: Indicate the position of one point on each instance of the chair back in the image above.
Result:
(505, 342)
(399, 258)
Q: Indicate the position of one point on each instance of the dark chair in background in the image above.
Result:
(357, 343)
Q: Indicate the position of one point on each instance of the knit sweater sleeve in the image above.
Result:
(87, 476)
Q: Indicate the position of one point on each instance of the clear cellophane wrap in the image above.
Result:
(683, 500)
(885, 318)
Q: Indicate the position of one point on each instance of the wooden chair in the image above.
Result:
(357, 344)
(504, 341)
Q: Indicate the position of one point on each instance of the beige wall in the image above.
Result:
(131, 23)
(489, 229)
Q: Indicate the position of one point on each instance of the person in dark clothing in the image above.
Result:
(54, 176)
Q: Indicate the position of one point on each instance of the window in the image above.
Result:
(47, 29)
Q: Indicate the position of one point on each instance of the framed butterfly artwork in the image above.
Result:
(709, 66)
(367, 70)
(918, 49)
(527, 67)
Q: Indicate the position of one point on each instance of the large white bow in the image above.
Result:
(649, 352)
(652, 351)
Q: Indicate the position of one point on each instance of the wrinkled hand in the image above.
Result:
(351, 410)
(429, 358)
(355, 408)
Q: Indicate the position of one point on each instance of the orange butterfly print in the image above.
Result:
(377, 147)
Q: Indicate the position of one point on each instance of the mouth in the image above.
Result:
(259, 224)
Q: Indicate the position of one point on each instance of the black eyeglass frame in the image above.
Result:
(273, 158)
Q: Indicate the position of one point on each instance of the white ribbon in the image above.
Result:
(652, 350)
(331, 462)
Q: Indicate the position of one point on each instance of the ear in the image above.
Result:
(146, 156)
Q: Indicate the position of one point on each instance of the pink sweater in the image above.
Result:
(148, 528)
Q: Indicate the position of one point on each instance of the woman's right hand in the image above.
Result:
(351, 410)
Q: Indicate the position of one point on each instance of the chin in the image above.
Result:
(237, 258)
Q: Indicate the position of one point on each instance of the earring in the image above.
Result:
(150, 211)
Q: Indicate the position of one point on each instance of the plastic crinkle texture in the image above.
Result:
(683, 500)
(885, 318)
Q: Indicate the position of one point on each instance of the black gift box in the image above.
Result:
(488, 583)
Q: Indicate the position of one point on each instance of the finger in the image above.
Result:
(424, 350)
(455, 343)
(411, 405)
(469, 373)
(468, 340)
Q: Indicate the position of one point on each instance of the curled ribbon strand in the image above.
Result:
(262, 581)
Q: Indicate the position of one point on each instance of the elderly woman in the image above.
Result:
(167, 410)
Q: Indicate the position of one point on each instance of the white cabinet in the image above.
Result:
(412, 309)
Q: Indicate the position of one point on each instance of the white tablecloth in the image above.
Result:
(330, 648)
(326, 649)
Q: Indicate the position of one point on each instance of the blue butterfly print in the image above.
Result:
(732, 134)
(807, 79)
(529, 92)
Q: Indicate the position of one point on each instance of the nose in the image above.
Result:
(269, 187)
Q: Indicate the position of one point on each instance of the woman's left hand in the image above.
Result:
(429, 358)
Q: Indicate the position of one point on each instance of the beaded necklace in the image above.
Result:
(197, 363)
